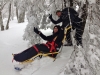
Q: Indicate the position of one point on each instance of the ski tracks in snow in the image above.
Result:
(46, 65)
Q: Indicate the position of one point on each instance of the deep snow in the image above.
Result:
(11, 41)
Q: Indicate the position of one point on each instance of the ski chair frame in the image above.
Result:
(41, 54)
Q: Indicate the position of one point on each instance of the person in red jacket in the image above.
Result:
(53, 44)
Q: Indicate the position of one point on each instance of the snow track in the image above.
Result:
(47, 66)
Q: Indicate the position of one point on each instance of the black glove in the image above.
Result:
(50, 16)
(36, 30)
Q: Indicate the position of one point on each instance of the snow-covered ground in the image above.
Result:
(11, 41)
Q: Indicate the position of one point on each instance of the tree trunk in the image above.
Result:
(7, 26)
(71, 3)
(65, 3)
(84, 13)
(1, 21)
(17, 12)
(21, 16)
(12, 10)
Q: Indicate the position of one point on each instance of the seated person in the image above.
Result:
(53, 44)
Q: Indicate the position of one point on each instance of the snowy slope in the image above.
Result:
(56, 67)
(46, 65)
(11, 42)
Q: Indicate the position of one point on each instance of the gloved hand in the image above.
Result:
(50, 16)
(36, 30)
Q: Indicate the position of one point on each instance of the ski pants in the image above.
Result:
(79, 32)
(68, 36)
(30, 52)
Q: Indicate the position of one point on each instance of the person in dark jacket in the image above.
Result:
(66, 20)
(53, 44)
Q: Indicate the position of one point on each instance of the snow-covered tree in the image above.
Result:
(86, 61)
(20, 10)
(2, 4)
(93, 30)
(34, 15)
(5, 6)
(7, 26)
(37, 15)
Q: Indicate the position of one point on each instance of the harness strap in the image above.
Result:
(36, 48)
(52, 44)
(47, 45)
(65, 32)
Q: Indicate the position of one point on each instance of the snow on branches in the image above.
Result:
(37, 15)
(86, 61)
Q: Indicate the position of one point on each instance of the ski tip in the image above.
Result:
(17, 68)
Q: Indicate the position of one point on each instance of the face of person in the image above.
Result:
(55, 29)
(58, 14)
